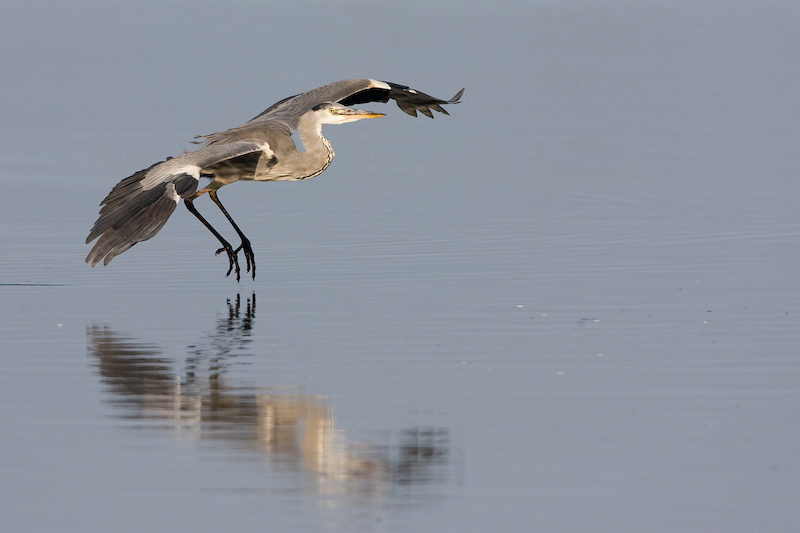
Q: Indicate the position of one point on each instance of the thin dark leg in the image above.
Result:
(233, 260)
(245, 246)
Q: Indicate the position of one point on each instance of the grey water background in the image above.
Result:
(570, 306)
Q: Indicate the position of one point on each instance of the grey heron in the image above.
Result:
(261, 149)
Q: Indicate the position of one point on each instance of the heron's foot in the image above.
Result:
(233, 259)
(248, 255)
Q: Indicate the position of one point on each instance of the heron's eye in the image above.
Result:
(331, 110)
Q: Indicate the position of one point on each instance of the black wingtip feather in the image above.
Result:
(412, 101)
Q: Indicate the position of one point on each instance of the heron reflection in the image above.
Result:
(277, 425)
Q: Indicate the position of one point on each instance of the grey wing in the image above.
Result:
(139, 206)
(353, 92)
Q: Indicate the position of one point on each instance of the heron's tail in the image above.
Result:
(137, 208)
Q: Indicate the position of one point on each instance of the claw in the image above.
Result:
(249, 256)
(233, 259)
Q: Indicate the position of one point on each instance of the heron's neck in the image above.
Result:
(318, 149)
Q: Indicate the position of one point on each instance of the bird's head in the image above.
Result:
(333, 113)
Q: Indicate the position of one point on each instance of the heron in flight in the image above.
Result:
(261, 150)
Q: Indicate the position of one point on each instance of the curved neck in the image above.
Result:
(318, 150)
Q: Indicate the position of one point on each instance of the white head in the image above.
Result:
(333, 113)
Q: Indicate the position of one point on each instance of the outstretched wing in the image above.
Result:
(408, 99)
(353, 92)
(139, 206)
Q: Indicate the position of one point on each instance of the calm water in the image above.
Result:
(570, 306)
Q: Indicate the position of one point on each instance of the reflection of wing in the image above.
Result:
(352, 92)
(131, 369)
(139, 206)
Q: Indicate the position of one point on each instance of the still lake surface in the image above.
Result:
(573, 305)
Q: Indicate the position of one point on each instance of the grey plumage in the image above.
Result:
(261, 149)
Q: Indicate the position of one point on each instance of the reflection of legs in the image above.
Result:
(245, 246)
(233, 259)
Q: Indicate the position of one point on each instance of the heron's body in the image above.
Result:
(262, 150)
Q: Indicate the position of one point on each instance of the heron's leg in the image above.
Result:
(233, 259)
(245, 246)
